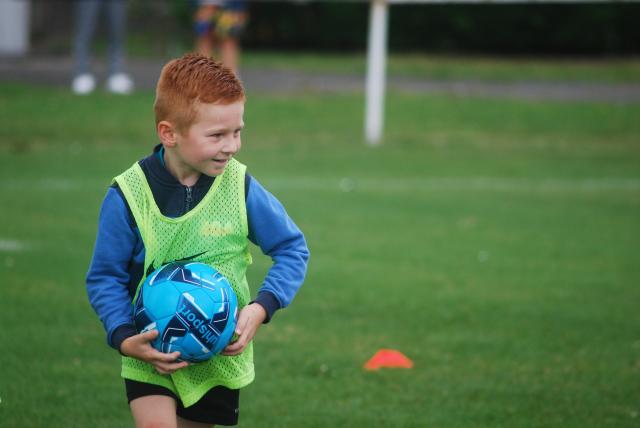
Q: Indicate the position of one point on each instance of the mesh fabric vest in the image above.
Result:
(215, 231)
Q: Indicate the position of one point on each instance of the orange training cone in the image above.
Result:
(388, 358)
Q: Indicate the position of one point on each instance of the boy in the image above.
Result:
(191, 200)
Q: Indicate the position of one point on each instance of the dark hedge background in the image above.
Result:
(522, 29)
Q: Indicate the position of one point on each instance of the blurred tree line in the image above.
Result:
(574, 29)
(605, 28)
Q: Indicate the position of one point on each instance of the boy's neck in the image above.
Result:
(185, 175)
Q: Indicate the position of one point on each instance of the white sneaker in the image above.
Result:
(83, 84)
(120, 83)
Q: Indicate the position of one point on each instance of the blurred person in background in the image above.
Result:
(86, 19)
(218, 25)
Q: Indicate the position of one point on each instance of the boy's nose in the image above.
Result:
(232, 145)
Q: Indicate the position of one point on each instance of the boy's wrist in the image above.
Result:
(268, 302)
(122, 333)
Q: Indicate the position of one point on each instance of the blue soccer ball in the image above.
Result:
(192, 306)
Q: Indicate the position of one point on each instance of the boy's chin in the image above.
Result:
(213, 172)
(216, 168)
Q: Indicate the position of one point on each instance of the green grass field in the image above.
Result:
(496, 243)
(451, 67)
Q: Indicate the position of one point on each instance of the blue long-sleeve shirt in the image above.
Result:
(118, 259)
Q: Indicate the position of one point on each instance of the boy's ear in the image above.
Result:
(166, 133)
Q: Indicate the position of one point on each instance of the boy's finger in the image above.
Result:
(168, 357)
(148, 336)
(170, 367)
(175, 366)
(161, 357)
(233, 348)
(241, 328)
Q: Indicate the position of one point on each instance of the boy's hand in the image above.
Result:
(249, 319)
(138, 346)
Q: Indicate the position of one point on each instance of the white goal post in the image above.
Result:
(377, 55)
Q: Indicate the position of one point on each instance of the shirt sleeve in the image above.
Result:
(278, 237)
(108, 276)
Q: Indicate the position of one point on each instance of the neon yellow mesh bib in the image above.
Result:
(216, 230)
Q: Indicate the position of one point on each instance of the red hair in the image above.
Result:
(192, 79)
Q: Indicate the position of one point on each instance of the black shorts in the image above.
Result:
(219, 406)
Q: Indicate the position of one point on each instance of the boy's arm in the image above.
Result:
(271, 229)
(108, 275)
(117, 245)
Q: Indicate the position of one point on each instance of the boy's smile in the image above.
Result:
(207, 145)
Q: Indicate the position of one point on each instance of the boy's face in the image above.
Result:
(209, 143)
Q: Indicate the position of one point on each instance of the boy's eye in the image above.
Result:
(216, 136)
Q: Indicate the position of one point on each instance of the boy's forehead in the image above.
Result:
(219, 111)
